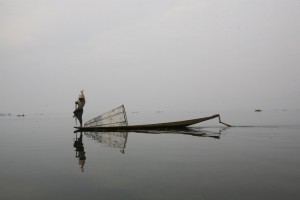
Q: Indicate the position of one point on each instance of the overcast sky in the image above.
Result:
(149, 54)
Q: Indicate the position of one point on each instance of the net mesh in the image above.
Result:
(115, 117)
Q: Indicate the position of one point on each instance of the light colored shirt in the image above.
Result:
(80, 103)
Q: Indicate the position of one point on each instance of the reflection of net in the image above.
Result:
(115, 117)
(110, 139)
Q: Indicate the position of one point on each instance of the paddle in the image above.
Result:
(223, 122)
(75, 117)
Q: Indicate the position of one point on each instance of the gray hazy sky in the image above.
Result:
(149, 54)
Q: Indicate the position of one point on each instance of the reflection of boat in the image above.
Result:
(119, 139)
(116, 120)
(185, 131)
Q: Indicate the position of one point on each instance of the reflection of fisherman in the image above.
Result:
(79, 110)
(80, 153)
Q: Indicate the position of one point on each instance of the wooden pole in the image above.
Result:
(75, 117)
(223, 122)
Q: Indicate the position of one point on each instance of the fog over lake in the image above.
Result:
(149, 55)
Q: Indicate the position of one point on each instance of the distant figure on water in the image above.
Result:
(79, 104)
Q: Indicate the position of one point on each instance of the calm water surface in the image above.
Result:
(42, 158)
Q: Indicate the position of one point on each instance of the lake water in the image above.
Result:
(42, 158)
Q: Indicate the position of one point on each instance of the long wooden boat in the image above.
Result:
(167, 125)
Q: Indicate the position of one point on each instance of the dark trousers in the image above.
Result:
(78, 114)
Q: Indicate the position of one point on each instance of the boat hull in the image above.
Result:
(167, 125)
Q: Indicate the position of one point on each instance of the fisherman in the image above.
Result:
(79, 110)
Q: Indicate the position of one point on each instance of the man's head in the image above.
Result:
(81, 95)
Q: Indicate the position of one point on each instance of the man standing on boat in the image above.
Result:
(79, 104)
